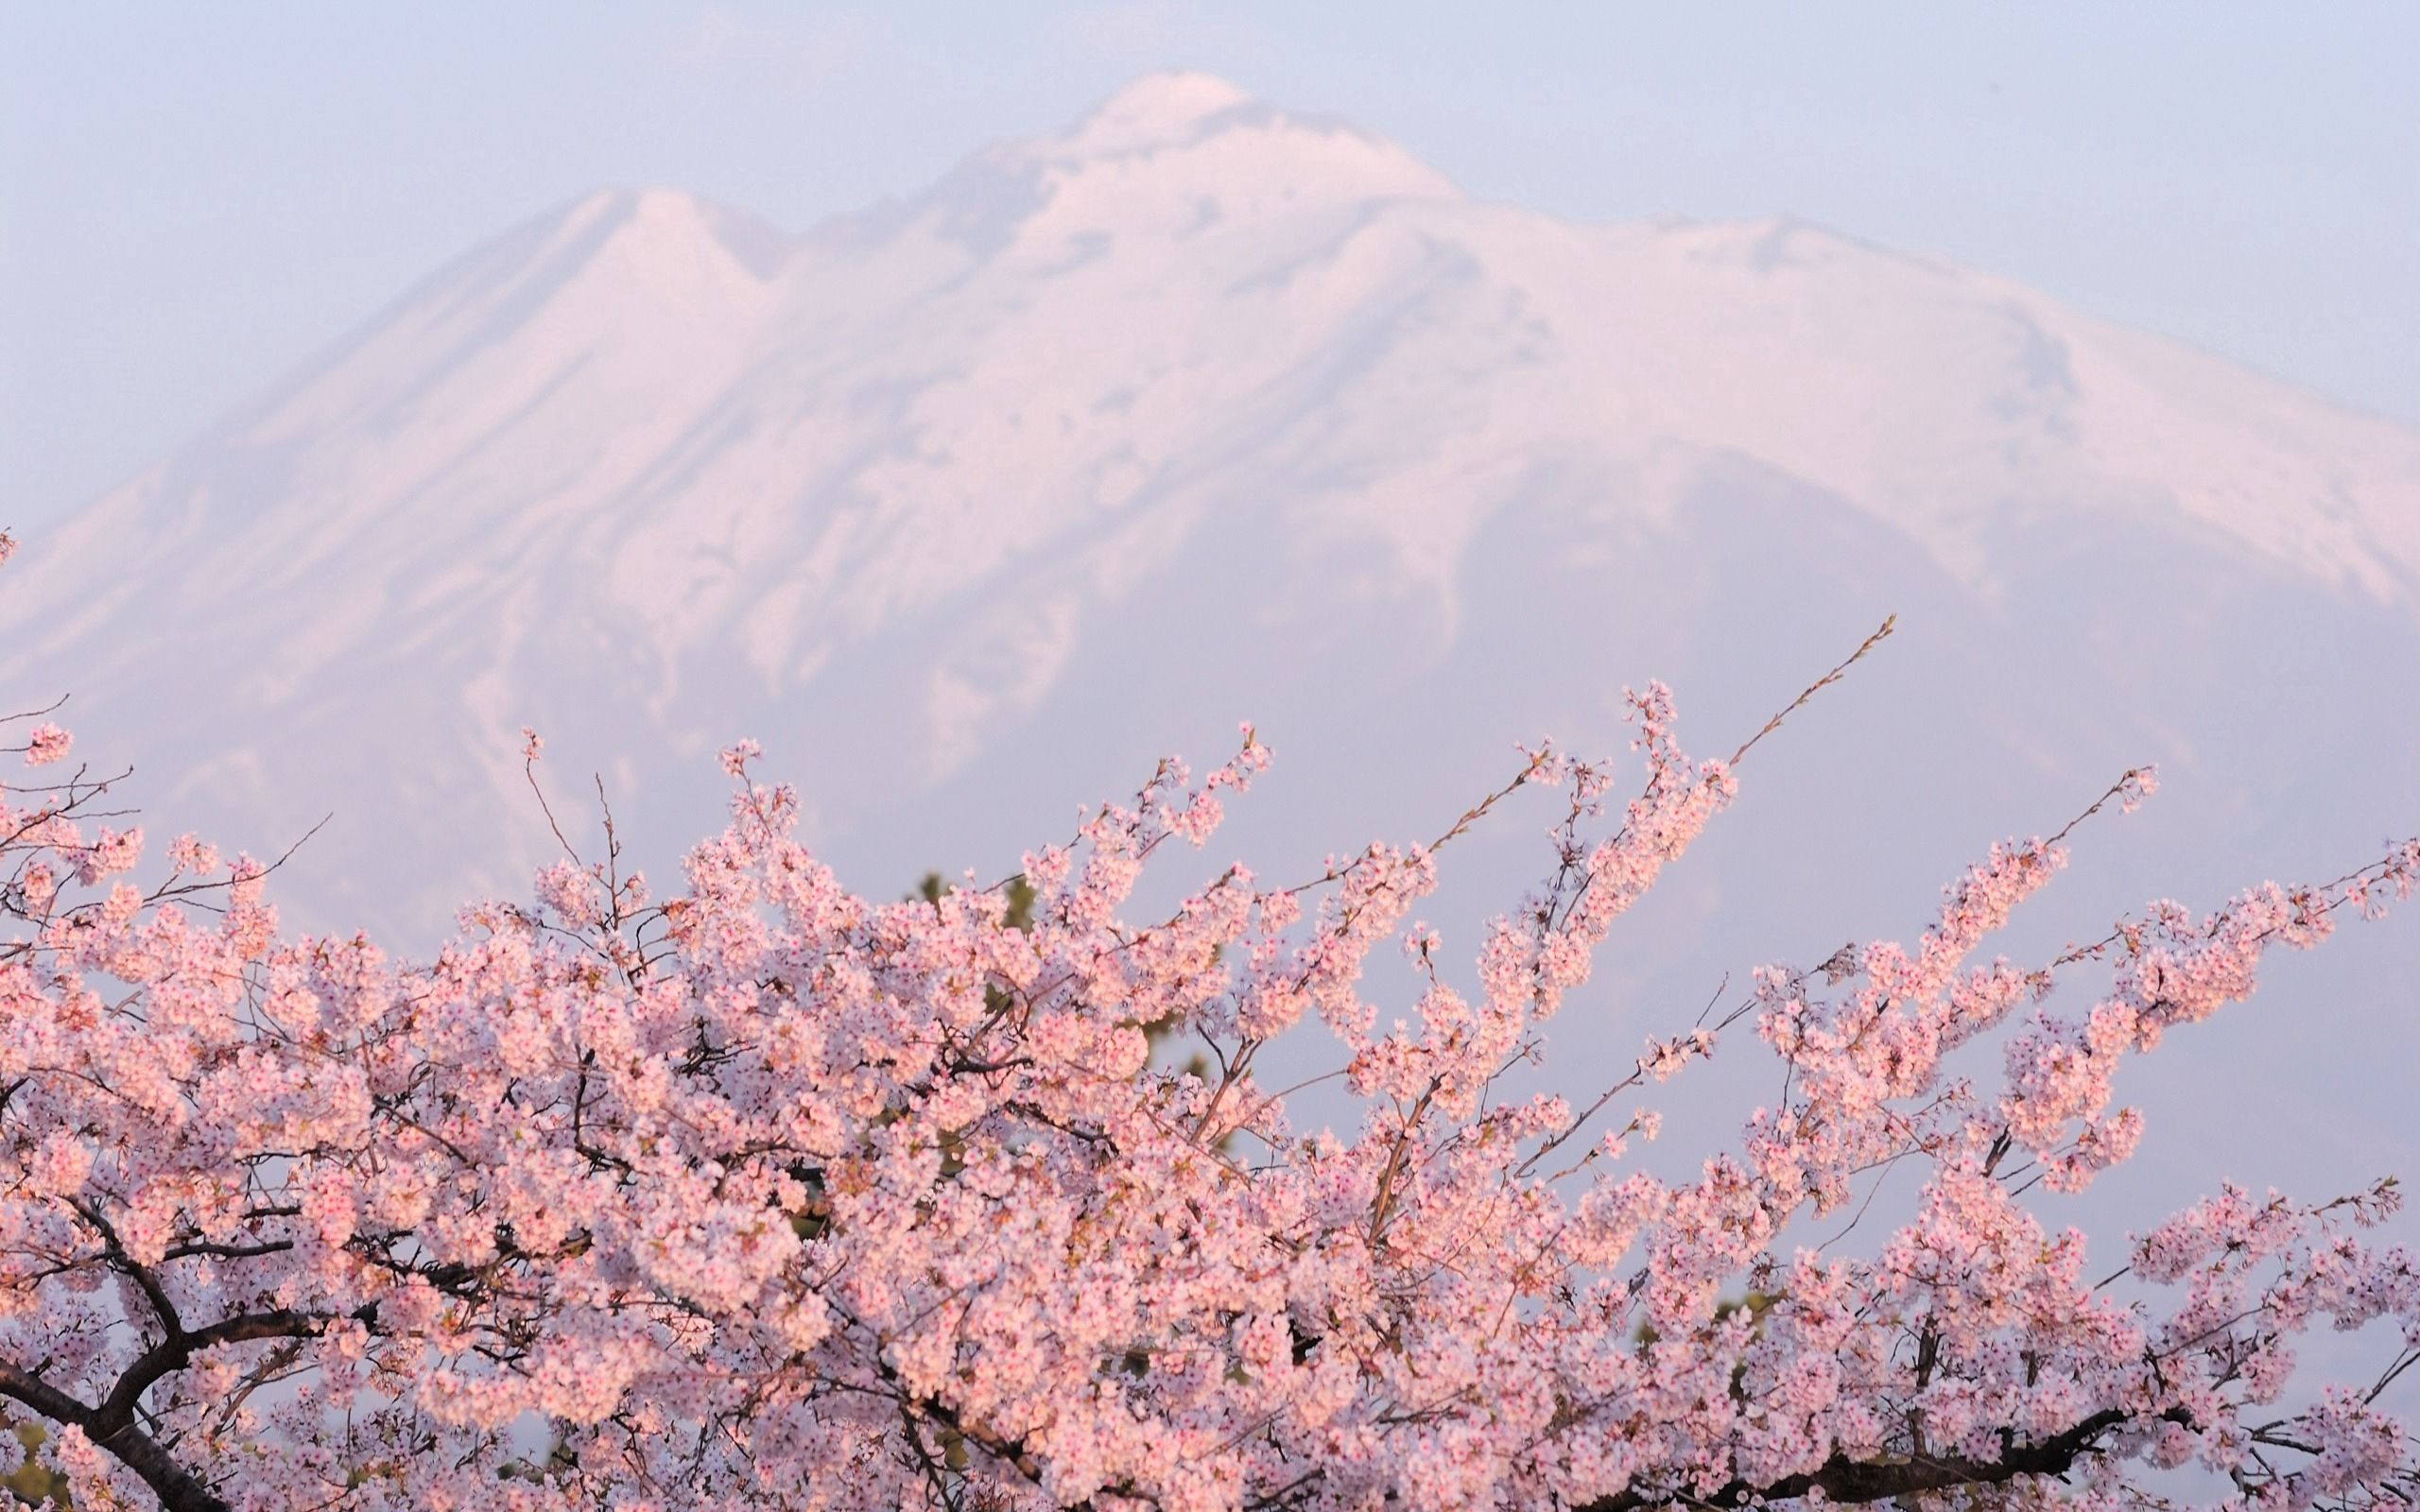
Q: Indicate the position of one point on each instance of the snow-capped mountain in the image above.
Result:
(971, 505)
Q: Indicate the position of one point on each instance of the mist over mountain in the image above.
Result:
(971, 506)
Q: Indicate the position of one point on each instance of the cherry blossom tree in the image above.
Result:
(760, 1195)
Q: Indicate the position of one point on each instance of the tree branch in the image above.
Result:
(1841, 1479)
(176, 1487)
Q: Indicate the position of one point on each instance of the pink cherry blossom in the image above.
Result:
(47, 743)
(761, 1194)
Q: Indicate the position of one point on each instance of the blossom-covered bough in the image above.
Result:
(764, 1196)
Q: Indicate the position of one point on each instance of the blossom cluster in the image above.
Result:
(764, 1195)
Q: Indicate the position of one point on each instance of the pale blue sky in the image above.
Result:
(193, 199)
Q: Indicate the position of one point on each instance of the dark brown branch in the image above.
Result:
(175, 1486)
(1841, 1479)
(176, 1352)
(153, 1292)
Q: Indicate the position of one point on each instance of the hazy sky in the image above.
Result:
(192, 199)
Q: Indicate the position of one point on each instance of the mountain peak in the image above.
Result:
(1159, 108)
(652, 223)
(1183, 148)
